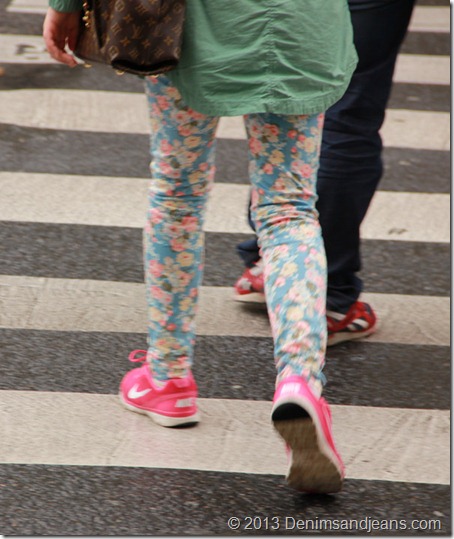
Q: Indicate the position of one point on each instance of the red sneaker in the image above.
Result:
(250, 286)
(172, 405)
(360, 321)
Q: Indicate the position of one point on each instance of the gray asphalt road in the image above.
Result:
(67, 469)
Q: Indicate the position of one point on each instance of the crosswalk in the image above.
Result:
(92, 112)
(73, 180)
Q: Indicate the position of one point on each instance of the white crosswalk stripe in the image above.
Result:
(90, 305)
(92, 111)
(85, 428)
(107, 201)
(414, 68)
(234, 437)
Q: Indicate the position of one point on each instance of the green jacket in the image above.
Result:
(246, 56)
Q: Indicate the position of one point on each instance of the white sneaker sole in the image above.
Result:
(344, 336)
(163, 420)
(257, 298)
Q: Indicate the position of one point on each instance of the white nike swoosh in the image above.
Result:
(133, 393)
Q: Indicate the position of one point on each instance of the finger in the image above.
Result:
(57, 52)
(67, 59)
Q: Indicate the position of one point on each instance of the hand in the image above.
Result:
(61, 30)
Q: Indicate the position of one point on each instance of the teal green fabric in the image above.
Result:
(281, 56)
(66, 5)
(252, 56)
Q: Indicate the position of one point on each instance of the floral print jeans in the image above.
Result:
(284, 155)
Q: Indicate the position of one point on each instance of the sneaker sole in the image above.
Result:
(253, 297)
(314, 467)
(163, 420)
(310, 470)
(344, 336)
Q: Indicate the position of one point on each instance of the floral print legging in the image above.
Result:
(284, 155)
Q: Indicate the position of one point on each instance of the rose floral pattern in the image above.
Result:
(284, 155)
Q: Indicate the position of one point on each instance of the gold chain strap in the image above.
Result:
(87, 14)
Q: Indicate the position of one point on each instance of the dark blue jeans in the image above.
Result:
(351, 156)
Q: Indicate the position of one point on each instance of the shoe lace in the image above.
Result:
(135, 358)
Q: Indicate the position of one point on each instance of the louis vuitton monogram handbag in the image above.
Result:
(135, 36)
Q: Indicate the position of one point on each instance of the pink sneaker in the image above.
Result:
(250, 287)
(304, 422)
(172, 405)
